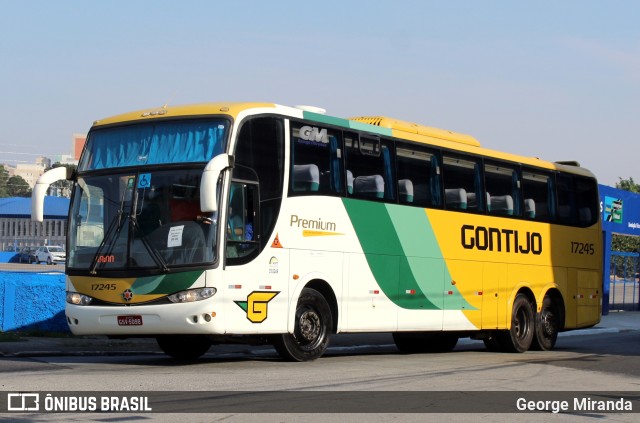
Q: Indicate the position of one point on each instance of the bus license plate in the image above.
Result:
(129, 320)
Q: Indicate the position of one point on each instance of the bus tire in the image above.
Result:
(548, 322)
(520, 336)
(184, 347)
(424, 342)
(310, 337)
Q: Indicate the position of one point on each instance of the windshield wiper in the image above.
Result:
(153, 252)
(117, 218)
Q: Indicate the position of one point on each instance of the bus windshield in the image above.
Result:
(154, 143)
(140, 220)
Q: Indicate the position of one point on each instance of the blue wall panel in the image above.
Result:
(32, 301)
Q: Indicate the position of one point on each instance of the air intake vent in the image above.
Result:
(371, 120)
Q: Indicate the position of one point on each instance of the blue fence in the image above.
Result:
(32, 302)
(624, 292)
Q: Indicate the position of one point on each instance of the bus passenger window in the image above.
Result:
(536, 188)
(503, 189)
(567, 207)
(370, 164)
(316, 161)
(587, 200)
(578, 202)
(418, 176)
(463, 184)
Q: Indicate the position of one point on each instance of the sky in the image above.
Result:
(559, 80)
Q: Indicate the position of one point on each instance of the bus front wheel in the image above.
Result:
(312, 328)
(184, 347)
(520, 336)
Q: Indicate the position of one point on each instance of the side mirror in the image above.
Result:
(209, 182)
(40, 189)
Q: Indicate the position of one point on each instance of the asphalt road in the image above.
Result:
(599, 362)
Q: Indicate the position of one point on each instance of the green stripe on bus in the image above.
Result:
(384, 253)
(345, 123)
(403, 254)
(166, 284)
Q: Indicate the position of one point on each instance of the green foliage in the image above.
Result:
(3, 182)
(18, 187)
(626, 243)
(625, 267)
(628, 185)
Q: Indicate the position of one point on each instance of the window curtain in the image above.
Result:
(389, 185)
(166, 142)
(515, 193)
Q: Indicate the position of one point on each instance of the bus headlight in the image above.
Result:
(78, 299)
(192, 295)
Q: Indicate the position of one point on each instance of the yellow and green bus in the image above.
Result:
(256, 222)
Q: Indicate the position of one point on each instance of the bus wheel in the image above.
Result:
(310, 336)
(547, 325)
(184, 347)
(520, 336)
(417, 342)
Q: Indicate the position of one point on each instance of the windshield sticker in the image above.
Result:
(144, 180)
(174, 238)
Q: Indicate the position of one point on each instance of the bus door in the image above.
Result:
(494, 282)
(254, 281)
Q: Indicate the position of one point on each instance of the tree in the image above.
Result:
(18, 187)
(628, 185)
(3, 182)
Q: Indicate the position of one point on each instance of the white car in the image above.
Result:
(52, 254)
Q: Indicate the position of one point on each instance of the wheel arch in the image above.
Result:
(325, 289)
(527, 292)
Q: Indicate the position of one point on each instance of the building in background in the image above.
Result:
(77, 145)
(17, 230)
(30, 172)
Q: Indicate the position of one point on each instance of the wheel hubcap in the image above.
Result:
(548, 323)
(310, 325)
(521, 324)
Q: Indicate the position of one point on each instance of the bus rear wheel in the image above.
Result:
(310, 337)
(520, 336)
(418, 342)
(547, 325)
(184, 347)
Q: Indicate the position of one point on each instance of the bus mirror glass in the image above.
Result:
(41, 187)
(209, 183)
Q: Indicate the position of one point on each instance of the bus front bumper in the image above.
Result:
(189, 318)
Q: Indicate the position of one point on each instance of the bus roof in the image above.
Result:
(380, 125)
